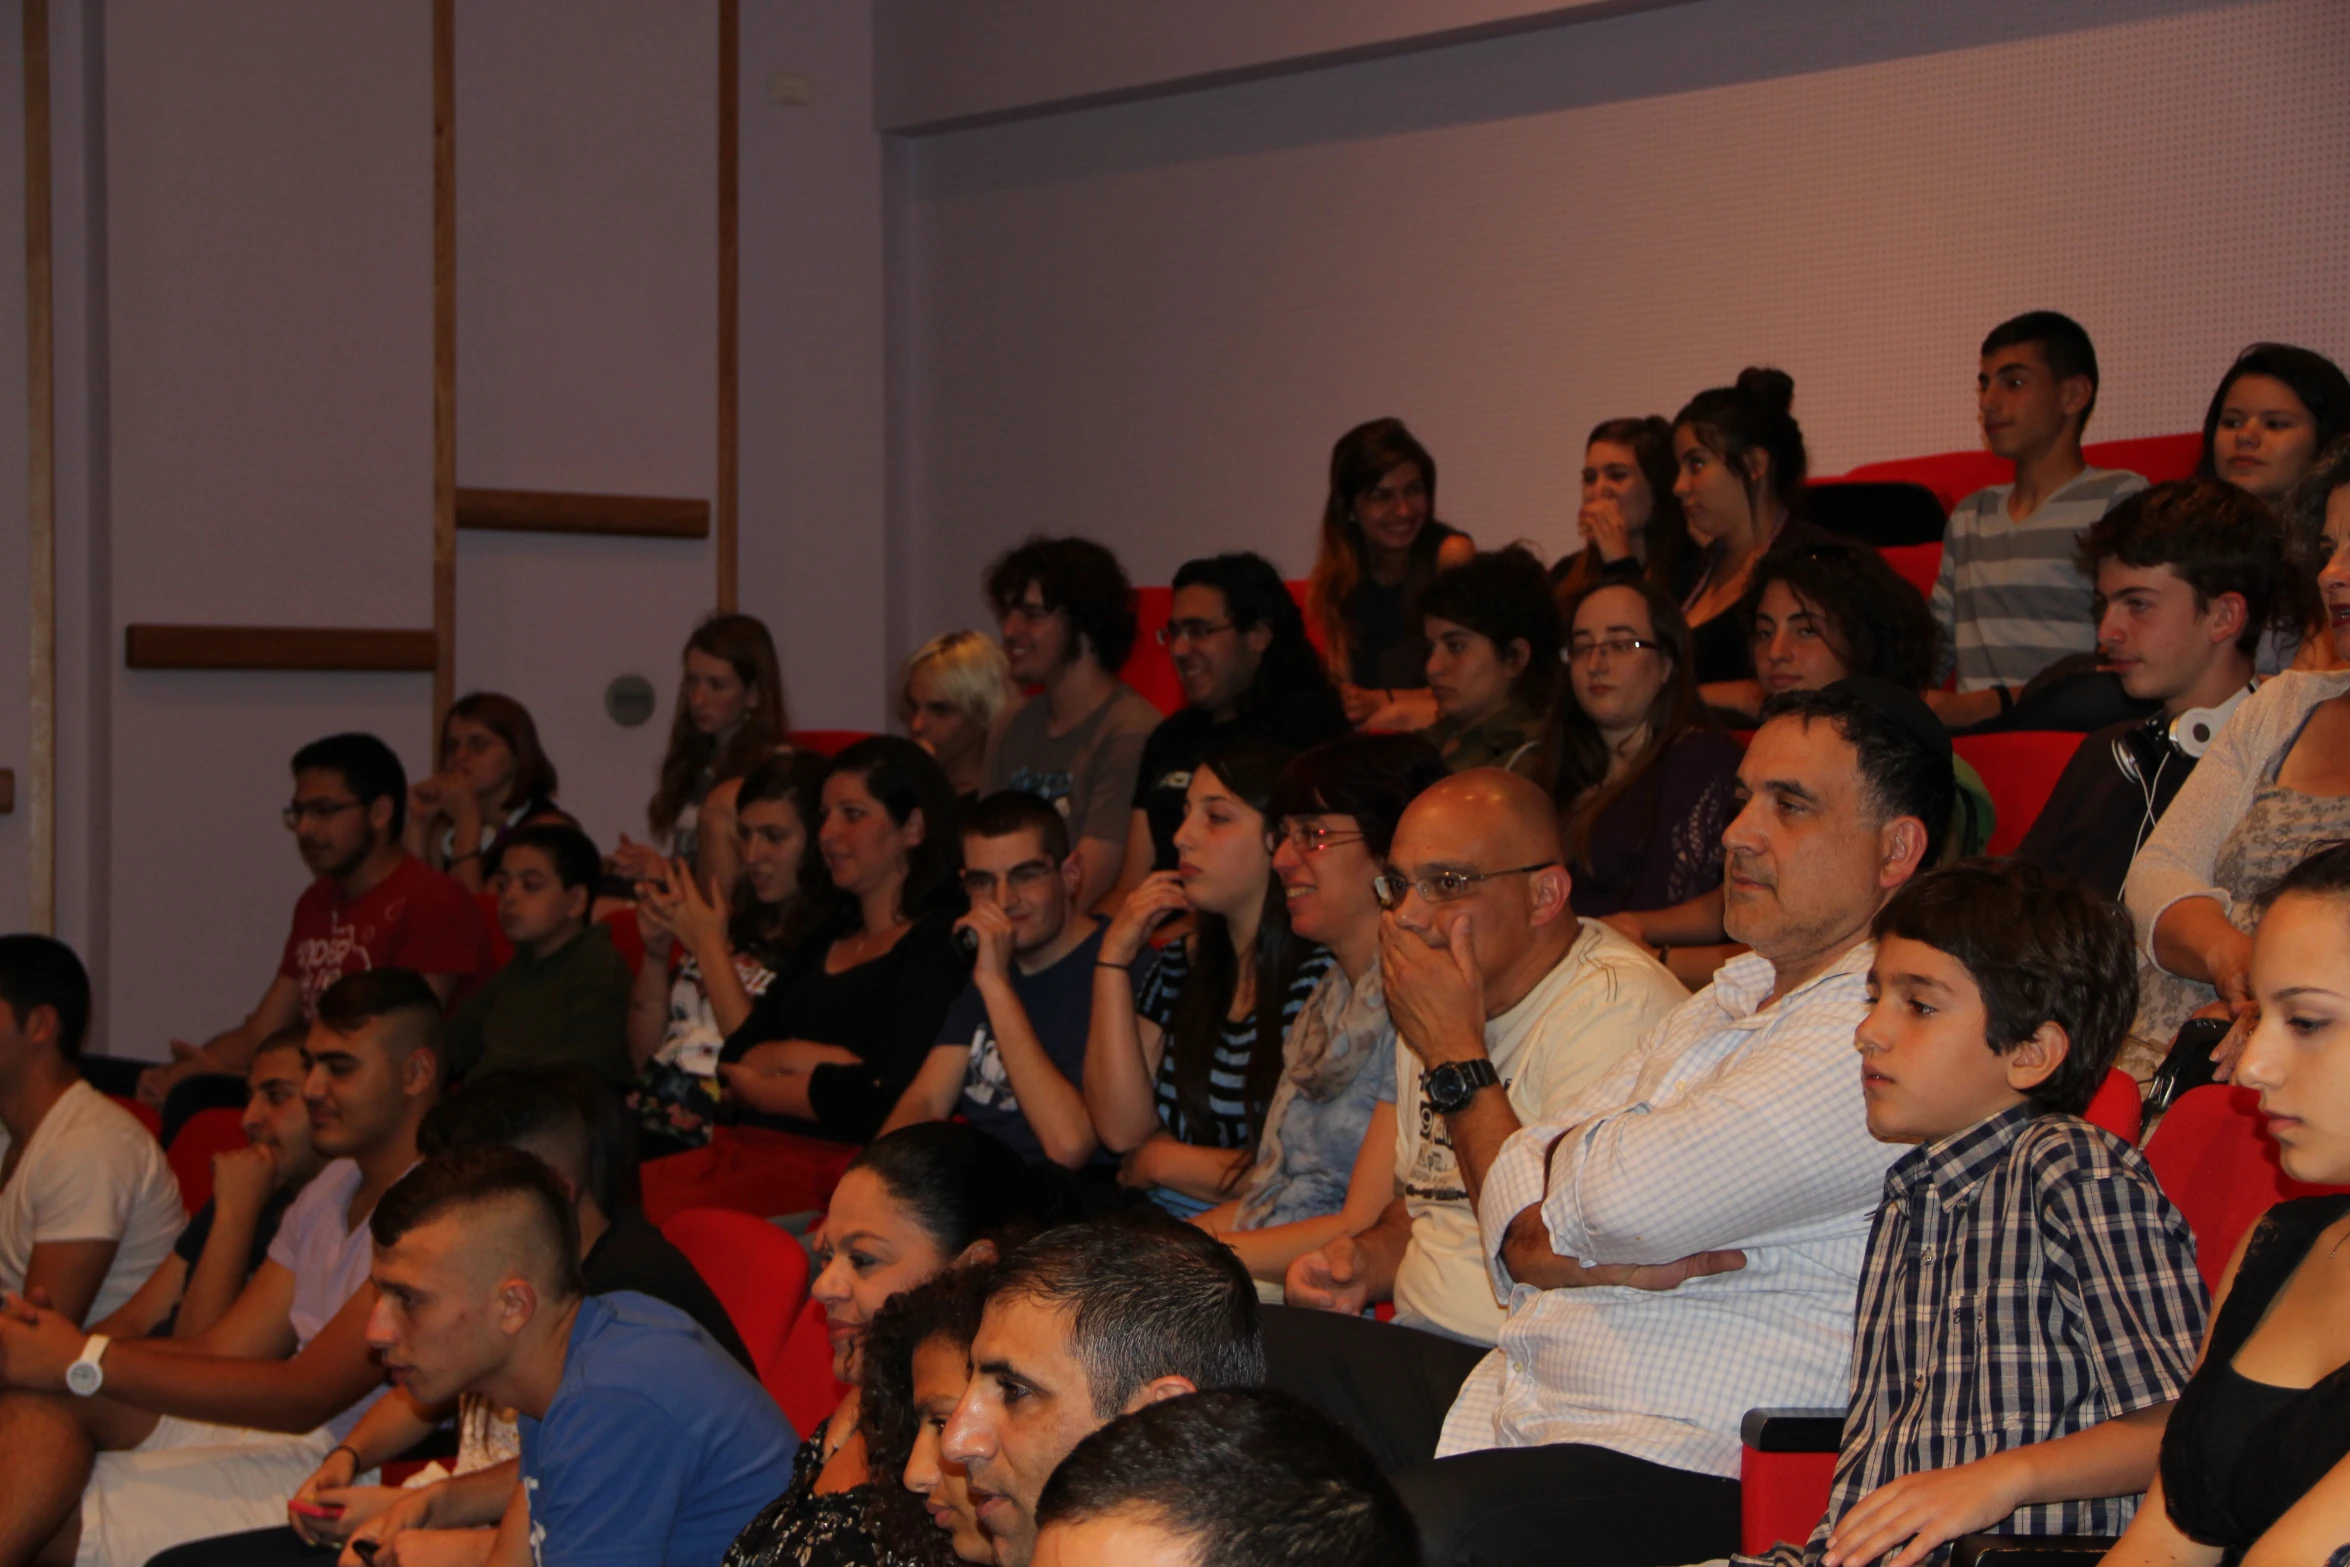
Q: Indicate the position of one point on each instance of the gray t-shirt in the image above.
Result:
(2009, 599)
(1088, 774)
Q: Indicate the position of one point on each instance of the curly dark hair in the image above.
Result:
(1504, 596)
(1877, 622)
(947, 1308)
(2214, 537)
(1075, 577)
(1755, 414)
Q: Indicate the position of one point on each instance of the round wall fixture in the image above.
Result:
(629, 700)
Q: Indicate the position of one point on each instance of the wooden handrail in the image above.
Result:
(276, 647)
(556, 511)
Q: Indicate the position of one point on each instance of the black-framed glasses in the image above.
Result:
(1190, 631)
(1441, 887)
(1614, 647)
(1308, 839)
(1026, 876)
(320, 811)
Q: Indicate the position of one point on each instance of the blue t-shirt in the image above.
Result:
(658, 1448)
(1059, 1004)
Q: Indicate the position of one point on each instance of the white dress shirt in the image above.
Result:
(1727, 1128)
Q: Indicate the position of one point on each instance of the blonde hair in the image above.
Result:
(971, 672)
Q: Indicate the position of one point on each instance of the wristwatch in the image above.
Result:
(1451, 1086)
(85, 1376)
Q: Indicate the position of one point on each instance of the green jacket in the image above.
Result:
(570, 1007)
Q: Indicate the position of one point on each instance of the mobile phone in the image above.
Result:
(316, 1509)
(365, 1548)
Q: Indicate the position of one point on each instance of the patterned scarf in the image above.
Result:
(1339, 1028)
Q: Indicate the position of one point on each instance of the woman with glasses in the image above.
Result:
(1493, 658)
(1181, 1066)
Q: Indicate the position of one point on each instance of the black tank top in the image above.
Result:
(2237, 1454)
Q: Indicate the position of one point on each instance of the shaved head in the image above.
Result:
(1490, 814)
(1502, 830)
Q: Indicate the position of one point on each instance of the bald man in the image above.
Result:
(642, 1441)
(1508, 1006)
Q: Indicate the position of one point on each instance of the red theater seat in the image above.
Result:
(2118, 1106)
(2020, 769)
(758, 1272)
(1916, 564)
(2216, 1161)
(825, 742)
(147, 1115)
(1953, 476)
(802, 1381)
(202, 1135)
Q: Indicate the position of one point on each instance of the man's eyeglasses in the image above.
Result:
(319, 811)
(1190, 631)
(1441, 886)
(1307, 839)
(1026, 876)
(1614, 647)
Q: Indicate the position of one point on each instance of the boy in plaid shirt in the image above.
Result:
(2030, 1307)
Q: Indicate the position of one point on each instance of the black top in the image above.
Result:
(805, 1528)
(1296, 719)
(1723, 648)
(190, 1245)
(2238, 1454)
(632, 1255)
(888, 1010)
(1387, 649)
(2096, 816)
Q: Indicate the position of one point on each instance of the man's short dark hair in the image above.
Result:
(524, 1104)
(2216, 537)
(572, 852)
(1079, 578)
(1009, 811)
(2041, 948)
(1504, 596)
(2063, 343)
(367, 766)
(356, 1000)
(41, 971)
(1901, 772)
(1147, 1297)
(1248, 1477)
(472, 1177)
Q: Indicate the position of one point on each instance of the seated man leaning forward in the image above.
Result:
(1508, 1007)
(643, 1442)
(1684, 1241)
(1083, 1324)
(166, 1442)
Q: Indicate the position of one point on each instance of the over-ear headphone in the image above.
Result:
(2190, 734)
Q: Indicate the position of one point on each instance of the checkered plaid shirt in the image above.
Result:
(2026, 1280)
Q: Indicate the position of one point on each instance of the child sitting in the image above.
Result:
(2030, 1307)
(563, 996)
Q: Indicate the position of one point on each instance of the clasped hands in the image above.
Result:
(37, 1343)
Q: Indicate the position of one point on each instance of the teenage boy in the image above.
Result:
(373, 905)
(2008, 599)
(88, 1207)
(2030, 1307)
(2189, 575)
(166, 1443)
(563, 996)
(1011, 1053)
(1068, 619)
(641, 1440)
(1083, 1324)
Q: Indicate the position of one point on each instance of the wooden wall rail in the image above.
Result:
(277, 647)
(553, 511)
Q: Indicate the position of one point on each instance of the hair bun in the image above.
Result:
(1774, 386)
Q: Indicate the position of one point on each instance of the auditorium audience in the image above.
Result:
(1158, 1486)
(913, 1204)
(1492, 984)
(1381, 546)
(1630, 523)
(373, 905)
(493, 778)
(563, 996)
(2008, 601)
(708, 957)
(2276, 409)
(1182, 1060)
(1011, 1053)
(1741, 463)
(1493, 660)
(1998, 995)
(1325, 1157)
(190, 1440)
(1240, 650)
(88, 1208)
(951, 689)
(2273, 786)
(2189, 574)
(1083, 1324)
(2251, 1466)
(1068, 618)
(916, 1363)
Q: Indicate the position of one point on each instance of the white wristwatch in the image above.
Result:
(85, 1376)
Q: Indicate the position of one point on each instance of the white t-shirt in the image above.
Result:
(90, 1172)
(329, 1258)
(1603, 996)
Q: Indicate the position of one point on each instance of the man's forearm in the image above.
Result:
(2112, 1458)
(261, 1395)
(1382, 1247)
(1052, 1104)
(1478, 1130)
(219, 1271)
(477, 1500)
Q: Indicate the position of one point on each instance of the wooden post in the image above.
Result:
(729, 290)
(41, 467)
(444, 367)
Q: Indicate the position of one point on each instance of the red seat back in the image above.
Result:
(758, 1272)
(825, 742)
(147, 1115)
(1781, 1496)
(1953, 476)
(1150, 669)
(2020, 769)
(2217, 1163)
(1915, 564)
(202, 1135)
(801, 1381)
(2118, 1107)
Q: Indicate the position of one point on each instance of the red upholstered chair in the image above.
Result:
(1953, 476)
(204, 1134)
(1916, 564)
(2158, 457)
(2216, 1161)
(2021, 769)
(2117, 1106)
(1150, 669)
(758, 1272)
(1788, 1458)
(802, 1382)
(147, 1115)
(825, 742)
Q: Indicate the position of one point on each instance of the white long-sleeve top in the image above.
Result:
(1726, 1127)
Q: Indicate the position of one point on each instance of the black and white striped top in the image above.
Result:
(1161, 988)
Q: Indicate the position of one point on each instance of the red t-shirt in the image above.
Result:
(415, 918)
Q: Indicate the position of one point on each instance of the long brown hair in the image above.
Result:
(533, 778)
(1363, 456)
(1670, 554)
(743, 642)
(1584, 757)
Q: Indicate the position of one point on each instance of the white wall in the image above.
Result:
(15, 729)
(1148, 322)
